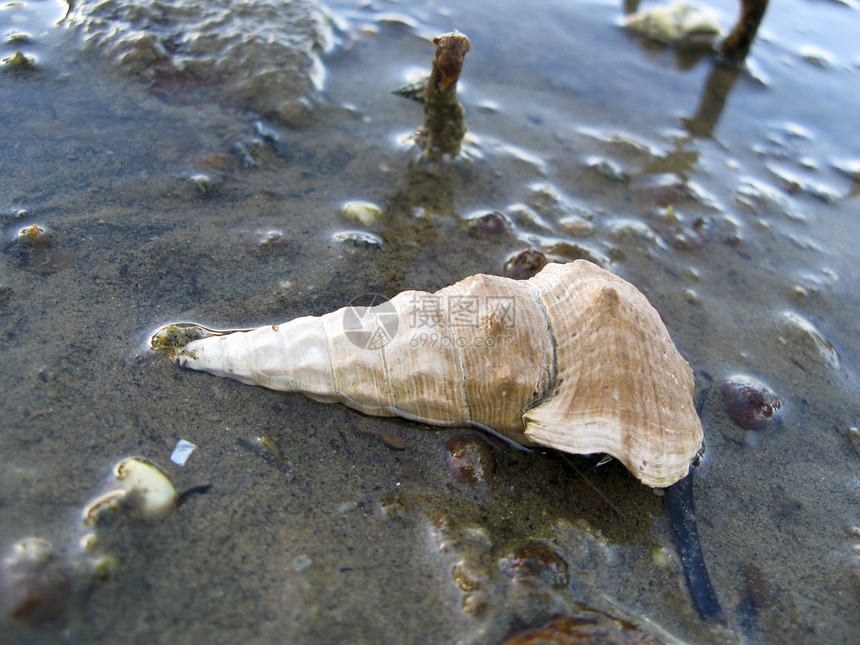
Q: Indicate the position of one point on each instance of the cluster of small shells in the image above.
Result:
(36, 578)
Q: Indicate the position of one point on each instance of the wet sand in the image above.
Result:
(169, 201)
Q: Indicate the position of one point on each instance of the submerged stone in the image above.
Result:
(678, 22)
(467, 458)
(587, 626)
(361, 212)
(807, 346)
(525, 264)
(358, 238)
(263, 54)
(34, 583)
(749, 402)
(19, 62)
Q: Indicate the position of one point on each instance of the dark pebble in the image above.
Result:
(587, 627)
(525, 264)
(34, 584)
(535, 561)
(749, 402)
(493, 223)
(467, 458)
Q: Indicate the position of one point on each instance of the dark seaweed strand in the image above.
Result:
(678, 502)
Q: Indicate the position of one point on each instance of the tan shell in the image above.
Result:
(575, 359)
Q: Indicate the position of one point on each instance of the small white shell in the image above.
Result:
(365, 213)
(155, 492)
(139, 482)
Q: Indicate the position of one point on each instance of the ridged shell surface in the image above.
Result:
(621, 387)
(476, 353)
(575, 359)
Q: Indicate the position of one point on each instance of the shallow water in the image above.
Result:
(358, 531)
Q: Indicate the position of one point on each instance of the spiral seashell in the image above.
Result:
(574, 359)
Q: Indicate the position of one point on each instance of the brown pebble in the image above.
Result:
(749, 402)
(392, 441)
(466, 458)
(34, 585)
(267, 240)
(535, 561)
(587, 627)
(525, 264)
(757, 589)
(213, 162)
(854, 438)
(487, 224)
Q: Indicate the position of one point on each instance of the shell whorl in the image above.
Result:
(476, 353)
(622, 387)
(575, 359)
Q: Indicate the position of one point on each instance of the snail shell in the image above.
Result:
(575, 359)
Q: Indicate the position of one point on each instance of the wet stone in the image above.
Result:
(664, 189)
(587, 626)
(34, 236)
(675, 23)
(34, 583)
(19, 38)
(816, 56)
(848, 167)
(525, 264)
(254, 153)
(749, 402)
(806, 345)
(854, 438)
(535, 562)
(528, 218)
(19, 62)
(467, 458)
(608, 169)
(488, 224)
(267, 241)
(564, 252)
(358, 238)
(265, 56)
(549, 201)
(361, 212)
(202, 184)
(759, 198)
(138, 484)
(268, 134)
(576, 225)
(34, 251)
(634, 234)
(793, 182)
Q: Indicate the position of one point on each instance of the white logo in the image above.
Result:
(371, 325)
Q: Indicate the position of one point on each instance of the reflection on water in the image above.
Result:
(727, 195)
